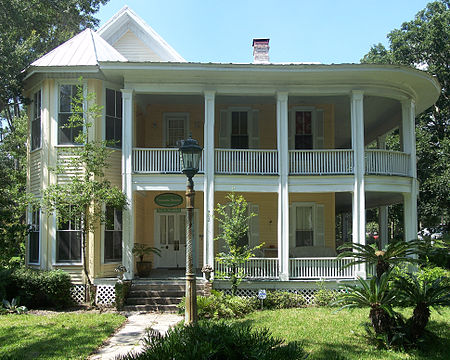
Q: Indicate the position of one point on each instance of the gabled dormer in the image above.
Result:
(136, 40)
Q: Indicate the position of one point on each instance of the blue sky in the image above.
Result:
(326, 31)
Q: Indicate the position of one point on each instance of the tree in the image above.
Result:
(28, 30)
(82, 199)
(424, 43)
(233, 219)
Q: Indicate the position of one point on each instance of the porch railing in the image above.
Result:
(246, 161)
(157, 161)
(320, 268)
(320, 162)
(254, 268)
(386, 162)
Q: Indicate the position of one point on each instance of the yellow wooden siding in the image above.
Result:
(134, 49)
(326, 199)
(75, 272)
(150, 125)
(36, 172)
(114, 170)
(64, 156)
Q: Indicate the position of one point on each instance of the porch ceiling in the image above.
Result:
(373, 199)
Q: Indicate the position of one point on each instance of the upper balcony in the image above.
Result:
(246, 135)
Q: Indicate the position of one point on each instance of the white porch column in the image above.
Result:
(359, 206)
(383, 211)
(283, 190)
(409, 146)
(208, 190)
(127, 169)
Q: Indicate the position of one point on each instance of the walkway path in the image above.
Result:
(129, 337)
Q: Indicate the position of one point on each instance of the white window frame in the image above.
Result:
(55, 127)
(314, 119)
(33, 118)
(166, 116)
(102, 245)
(30, 223)
(116, 89)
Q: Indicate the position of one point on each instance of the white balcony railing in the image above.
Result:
(320, 162)
(320, 268)
(157, 161)
(254, 268)
(386, 162)
(245, 161)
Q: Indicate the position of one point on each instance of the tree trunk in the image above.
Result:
(380, 319)
(419, 320)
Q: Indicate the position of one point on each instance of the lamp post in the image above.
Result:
(190, 158)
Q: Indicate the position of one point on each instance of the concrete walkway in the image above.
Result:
(128, 338)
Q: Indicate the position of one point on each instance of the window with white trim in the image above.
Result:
(306, 128)
(113, 235)
(36, 121)
(68, 241)
(34, 236)
(307, 225)
(175, 128)
(239, 128)
(113, 118)
(66, 135)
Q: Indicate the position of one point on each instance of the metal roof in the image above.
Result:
(86, 48)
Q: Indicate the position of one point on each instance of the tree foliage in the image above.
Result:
(233, 219)
(424, 43)
(82, 199)
(28, 30)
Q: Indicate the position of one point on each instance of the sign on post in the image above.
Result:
(262, 294)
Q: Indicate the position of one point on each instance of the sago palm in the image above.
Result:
(376, 295)
(394, 254)
(421, 295)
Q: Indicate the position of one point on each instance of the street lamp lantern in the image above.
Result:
(191, 153)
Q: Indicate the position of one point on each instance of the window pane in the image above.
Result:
(109, 253)
(118, 132)
(118, 220)
(304, 218)
(117, 245)
(162, 229)
(243, 123)
(75, 250)
(62, 248)
(110, 103)
(36, 134)
(65, 98)
(182, 229)
(34, 247)
(109, 214)
(119, 104)
(304, 238)
(171, 229)
(64, 134)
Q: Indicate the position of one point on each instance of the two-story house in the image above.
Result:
(292, 137)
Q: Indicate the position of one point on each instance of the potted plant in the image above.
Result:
(207, 270)
(144, 267)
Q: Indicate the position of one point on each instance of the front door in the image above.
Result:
(172, 239)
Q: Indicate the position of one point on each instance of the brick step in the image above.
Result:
(153, 301)
(144, 308)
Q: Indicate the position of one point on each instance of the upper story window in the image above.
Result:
(33, 237)
(113, 235)
(68, 241)
(306, 128)
(175, 128)
(238, 129)
(36, 121)
(66, 135)
(113, 121)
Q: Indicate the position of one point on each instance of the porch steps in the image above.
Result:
(159, 295)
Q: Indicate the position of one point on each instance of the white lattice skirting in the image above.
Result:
(308, 294)
(105, 296)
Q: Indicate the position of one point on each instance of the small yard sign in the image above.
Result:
(262, 294)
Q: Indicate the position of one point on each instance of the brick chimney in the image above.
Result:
(261, 51)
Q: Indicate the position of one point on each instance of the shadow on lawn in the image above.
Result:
(435, 347)
(56, 341)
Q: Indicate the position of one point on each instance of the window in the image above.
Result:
(68, 241)
(304, 231)
(33, 237)
(66, 135)
(113, 235)
(239, 134)
(113, 132)
(36, 121)
(176, 128)
(303, 130)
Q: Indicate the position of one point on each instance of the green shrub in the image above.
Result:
(38, 289)
(283, 300)
(5, 282)
(431, 273)
(217, 340)
(324, 297)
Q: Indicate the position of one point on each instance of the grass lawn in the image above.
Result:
(59, 336)
(329, 335)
